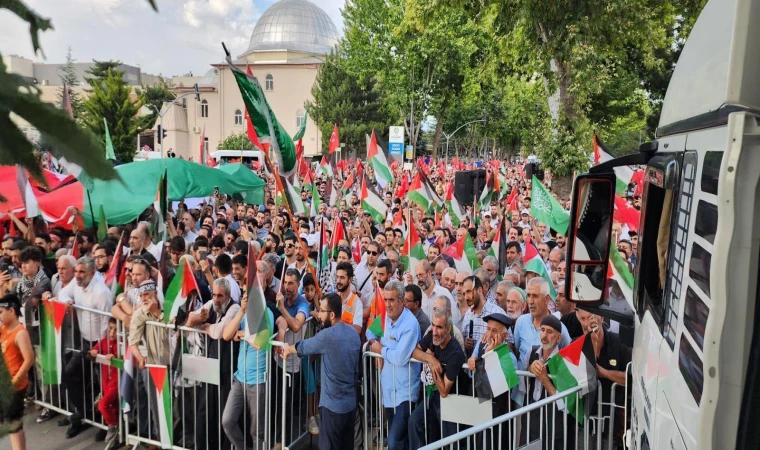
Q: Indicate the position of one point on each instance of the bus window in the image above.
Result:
(658, 201)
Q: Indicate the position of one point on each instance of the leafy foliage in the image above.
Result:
(154, 97)
(69, 78)
(237, 141)
(110, 99)
(341, 98)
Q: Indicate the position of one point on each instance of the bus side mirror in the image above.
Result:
(588, 239)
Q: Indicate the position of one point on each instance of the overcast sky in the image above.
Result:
(185, 35)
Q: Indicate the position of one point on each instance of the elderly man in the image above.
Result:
(399, 379)
(92, 293)
(491, 266)
(475, 327)
(497, 333)
(430, 290)
(445, 303)
(189, 225)
(502, 289)
(562, 433)
(566, 313)
(528, 326)
(448, 280)
(556, 256)
(444, 358)
(212, 318)
(461, 303)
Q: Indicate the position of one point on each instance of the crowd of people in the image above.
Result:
(439, 320)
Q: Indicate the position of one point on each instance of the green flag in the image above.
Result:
(547, 209)
(268, 128)
(109, 145)
(302, 130)
(102, 224)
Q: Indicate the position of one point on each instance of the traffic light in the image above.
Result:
(160, 134)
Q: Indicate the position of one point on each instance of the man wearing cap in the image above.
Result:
(524, 219)
(528, 326)
(551, 331)
(497, 333)
(154, 340)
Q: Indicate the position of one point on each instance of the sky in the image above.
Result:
(184, 36)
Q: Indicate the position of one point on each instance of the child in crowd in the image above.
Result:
(311, 364)
(109, 380)
(19, 358)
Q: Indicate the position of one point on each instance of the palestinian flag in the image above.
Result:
(377, 314)
(376, 158)
(116, 276)
(116, 363)
(308, 182)
(28, 199)
(488, 194)
(464, 254)
(532, 262)
(618, 271)
(575, 365)
(493, 250)
(126, 387)
(412, 252)
(324, 248)
(325, 168)
(495, 373)
(315, 201)
(266, 126)
(418, 193)
(624, 174)
(109, 145)
(163, 391)
(286, 196)
(259, 323)
(182, 285)
(545, 208)
(52, 314)
(349, 183)
(372, 203)
(160, 206)
(338, 234)
(452, 204)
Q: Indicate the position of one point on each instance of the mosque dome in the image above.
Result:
(294, 25)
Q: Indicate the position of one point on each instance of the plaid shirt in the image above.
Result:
(473, 324)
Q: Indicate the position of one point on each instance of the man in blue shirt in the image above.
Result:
(400, 378)
(248, 384)
(340, 346)
(528, 326)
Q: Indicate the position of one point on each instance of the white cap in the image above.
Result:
(525, 211)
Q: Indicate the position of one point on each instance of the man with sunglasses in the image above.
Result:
(364, 273)
(339, 345)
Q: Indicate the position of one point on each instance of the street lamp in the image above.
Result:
(448, 136)
(196, 92)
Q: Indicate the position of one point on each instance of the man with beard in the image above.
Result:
(301, 260)
(540, 387)
(103, 256)
(444, 358)
(528, 326)
(556, 256)
(364, 273)
(560, 239)
(514, 255)
(290, 254)
(475, 327)
(461, 303)
(340, 349)
(430, 290)
(351, 306)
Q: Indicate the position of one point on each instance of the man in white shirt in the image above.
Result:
(92, 293)
(430, 290)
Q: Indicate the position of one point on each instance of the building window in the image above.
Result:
(238, 117)
(204, 108)
(269, 82)
(299, 118)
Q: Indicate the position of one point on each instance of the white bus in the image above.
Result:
(696, 346)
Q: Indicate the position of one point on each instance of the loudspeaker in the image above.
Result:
(468, 184)
(534, 169)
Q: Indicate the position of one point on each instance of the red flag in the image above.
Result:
(339, 233)
(349, 182)
(626, 214)
(334, 140)
(398, 219)
(359, 169)
(403, 187)
(299, 149)
(512, 200)
(74, 250)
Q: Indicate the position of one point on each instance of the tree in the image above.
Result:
(100, 69)
(341, 99)
(110, 99)
(237, 141)
(18, 97)
(69, 78)
(154, 97)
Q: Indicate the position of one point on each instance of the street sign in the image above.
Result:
(409, 152)
(396, 140)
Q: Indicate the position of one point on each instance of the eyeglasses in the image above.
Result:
(324, 310)
(372, 253)
(289, 245)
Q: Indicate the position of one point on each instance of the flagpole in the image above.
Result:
(92, 213)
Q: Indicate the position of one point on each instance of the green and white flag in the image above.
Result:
(163, 398)
(268, 128)
(376, 159)
(495, 373)
(52, 314)
(372, 203)
(315, 201)
(412, 252)
(545, 208)
(624, 174)
(109, 145)
(182, 285)
(532, 262)
(619, 272)
(418, 193)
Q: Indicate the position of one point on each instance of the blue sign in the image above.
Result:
(395, 148)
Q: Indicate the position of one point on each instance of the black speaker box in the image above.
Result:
(468, 184)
